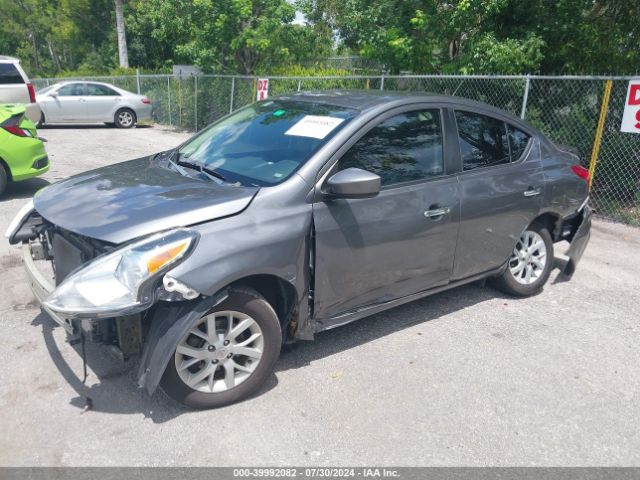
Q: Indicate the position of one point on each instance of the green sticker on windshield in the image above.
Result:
(278, 113)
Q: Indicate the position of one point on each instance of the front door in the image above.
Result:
(69, 105)
(403, 240)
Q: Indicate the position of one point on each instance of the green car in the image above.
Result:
(22, 153)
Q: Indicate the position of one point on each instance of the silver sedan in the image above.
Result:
(92, 102)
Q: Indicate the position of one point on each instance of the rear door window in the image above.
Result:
(483, 140)
(71, 90)
(9, 74)
(100, 90)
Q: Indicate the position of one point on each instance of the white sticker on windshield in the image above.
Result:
(314, 126)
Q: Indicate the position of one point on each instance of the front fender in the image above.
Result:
(169, 323)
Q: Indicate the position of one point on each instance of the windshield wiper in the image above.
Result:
(169, 156)
(212, 174)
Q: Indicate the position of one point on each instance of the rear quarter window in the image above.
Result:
(518, 141)
(9, 74)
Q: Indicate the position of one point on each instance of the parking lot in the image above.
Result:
(466, 377)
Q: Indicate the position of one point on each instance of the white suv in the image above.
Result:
(16, 88)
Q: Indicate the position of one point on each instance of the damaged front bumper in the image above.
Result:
(41, 288)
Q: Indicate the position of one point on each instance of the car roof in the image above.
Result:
(5, 58)
(372, 99)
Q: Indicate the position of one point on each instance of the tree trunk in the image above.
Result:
(122, 36)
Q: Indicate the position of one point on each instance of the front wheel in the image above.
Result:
(125, 118)
(530, 263)
(227, 354)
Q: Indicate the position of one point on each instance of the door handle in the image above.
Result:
(437, 212)
(532, 192)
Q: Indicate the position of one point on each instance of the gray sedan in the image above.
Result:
(92, 102)
(292, 216)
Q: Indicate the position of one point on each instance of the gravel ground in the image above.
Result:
(466, 377)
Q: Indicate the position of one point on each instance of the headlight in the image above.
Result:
(18, 220)
(121, 282)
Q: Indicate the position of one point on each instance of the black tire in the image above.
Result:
(41, 122)
(125, 118)
(4, 179)
(251, 303)
(507, 282)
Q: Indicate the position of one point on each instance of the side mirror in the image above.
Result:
(53, 94)
(353, 183)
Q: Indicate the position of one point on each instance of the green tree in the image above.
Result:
(487, 36)
(233, 36)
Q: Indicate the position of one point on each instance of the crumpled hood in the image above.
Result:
(127, 200)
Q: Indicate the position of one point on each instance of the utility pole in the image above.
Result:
(122, 36)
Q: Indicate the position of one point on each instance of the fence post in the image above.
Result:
(599, 131)
(195, 100)
(299, 84)
(381, 82)
(525, 97)
(138, 79)
(169, 94)
(233, 92)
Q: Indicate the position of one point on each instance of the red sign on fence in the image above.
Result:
(631, 116)
(263, 88)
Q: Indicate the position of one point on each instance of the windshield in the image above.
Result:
(44, 90)
(264, 143)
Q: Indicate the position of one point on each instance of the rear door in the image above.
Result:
(403, 240)
(101, 102)
(69, 105)
(501, 190)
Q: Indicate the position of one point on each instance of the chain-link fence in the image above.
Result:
(566, 109)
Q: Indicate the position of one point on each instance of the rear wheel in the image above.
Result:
(530, 263)
(4, 179)
(41, 122)
(227, 354)
(125, 118)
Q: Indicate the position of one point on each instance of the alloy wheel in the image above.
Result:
(219, 352)
(529, 258)
(125, 119)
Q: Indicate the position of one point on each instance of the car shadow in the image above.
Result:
(23, 189)
(386, 323)
(116, 391)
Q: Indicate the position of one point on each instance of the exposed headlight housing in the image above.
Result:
(121, 282)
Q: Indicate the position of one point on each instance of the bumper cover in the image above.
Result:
(579, 242)
(41, 288)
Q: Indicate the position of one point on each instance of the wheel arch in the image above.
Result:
(279, 293)
(5, 165)
(552, 221)
(120, 108)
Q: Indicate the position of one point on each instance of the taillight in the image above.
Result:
(146, 100)
(32, 93)
(12, 125)
(581, 172)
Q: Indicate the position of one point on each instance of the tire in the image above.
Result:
(41, 122)
(125, 118)
(524, 275)
(4, 179)
(207, 370)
